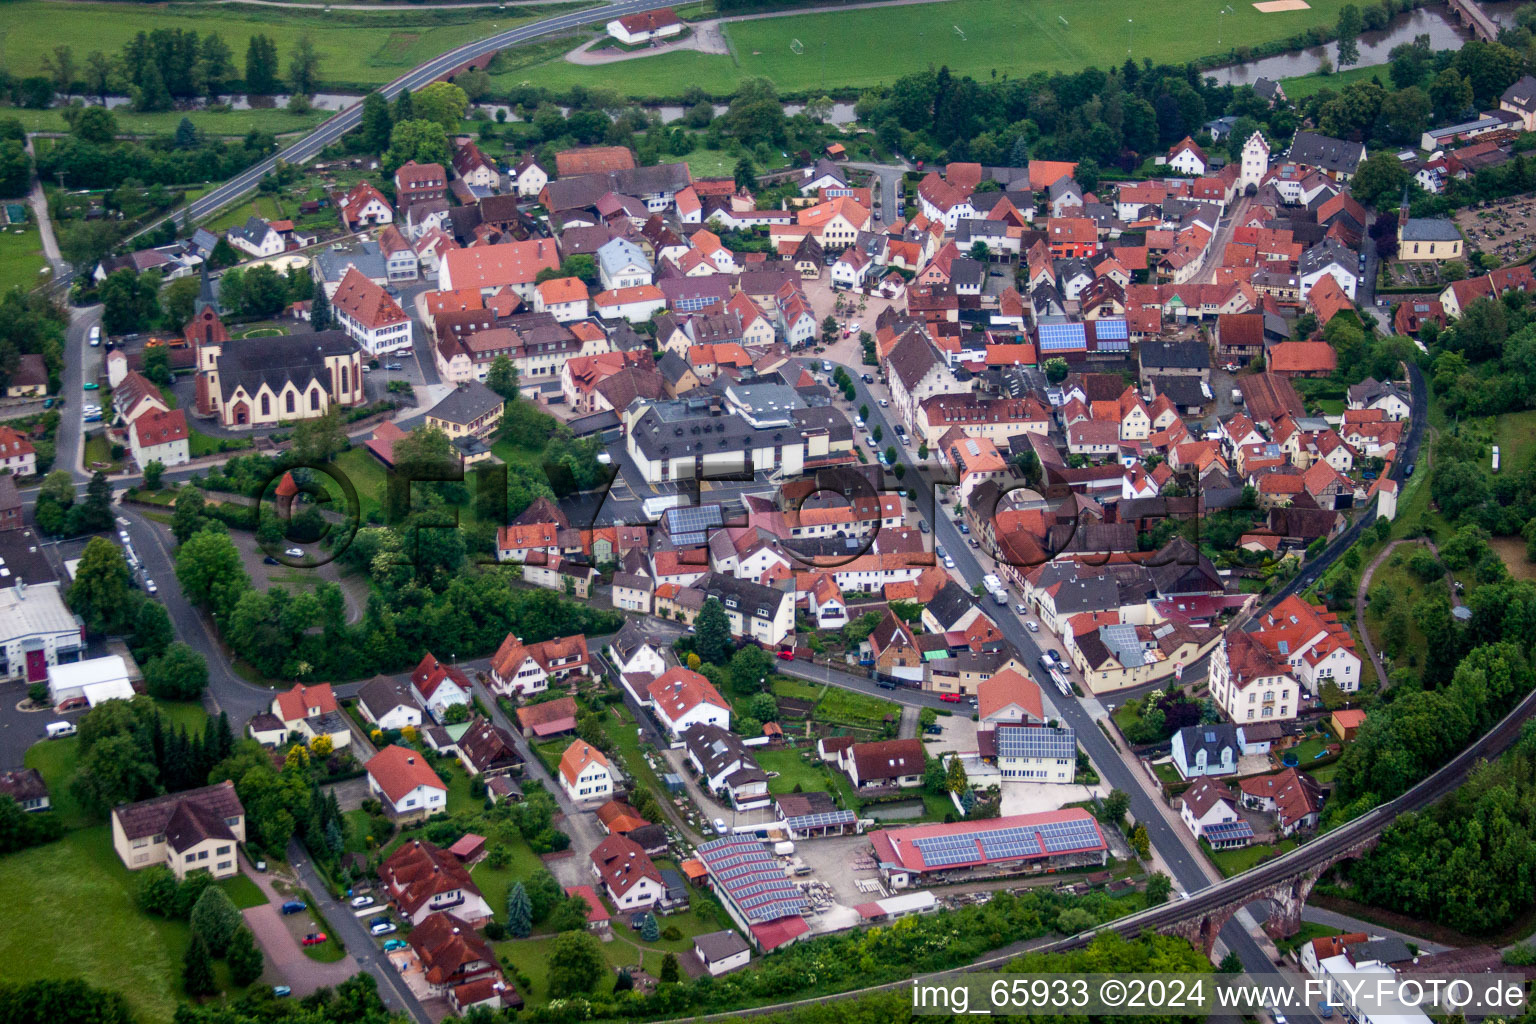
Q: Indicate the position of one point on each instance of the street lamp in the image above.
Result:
(1130, 34)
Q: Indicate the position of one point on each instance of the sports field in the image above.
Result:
(357, 48)
(976, 37)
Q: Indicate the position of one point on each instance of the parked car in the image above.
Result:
(964, 527)
(390, 945)
(362, 901)
(720, 827)
(91, 385)
(950, 698)
(922, 525)
(885, 403)
(149, 585)
(383, 926)
(868, 379)
(315, 938)
(1029, 625)
(281, 991)
(294, 552)
(295, 907)
(269, 560)
(949, 563)
(787, 655)
(1022, 609)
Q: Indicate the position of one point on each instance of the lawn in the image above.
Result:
(495, 884)
(231, 124)
(844, 707)
(973, 37)
(21, 257)
(188, 715)
(368, 477)
(69, 912)
(55, 759)
(1233, 862)
(98, 454)
(265, 207)
(794, 771)
(356, 48)
(1394, 591)
(1309, 931)
(243, 892)
(624, 741)
(1303, 86)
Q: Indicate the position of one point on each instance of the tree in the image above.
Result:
(129, 301)
(151, 95)
(749, 667)
(1141, 842)
(96, 125)
(178, 674)
(187, 517)
(265, 292)
(1056, 369)
(1115, 805)
(421, 140)
(669, 972)
(543, 893)
(624, 982)
(712, 637)
(155, 891)
(829, 330)
(157, 364)
(320, 439)
(1451, 95)
(1230, 964)
(180, 296)
(954, 778)
(444, 103)
(320, 316)
(575, 964)
(15, 168)
(650, 931)
(746, 174)
(245, 960)
(152, 632)
(215, 66)
(261, 66)
(197, 969)
(1159, 888)
(303, 63)
(1380, 180)
(210, 571)
(502, 377)
(519, 912)
(373, 131)
(99, 593)
(1348, 32)
(215, 919)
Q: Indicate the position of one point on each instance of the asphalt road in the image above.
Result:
(310, 145)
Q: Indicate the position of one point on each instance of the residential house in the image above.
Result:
(726, 766)
(470, 410)
(1294, 797)
(405, 784)
(312, 712)
(486, 749)
(682, 699)
(389, 704)
(1251, 683)
(1201, 750)
(363, 206)
(883, 763)
(256, 238)
(415, 183)
(437, 686)
(194, 830)
(420, 879)
(522, 670)
(585, 773)
(1210, 812)
(27, 787)
(160, 437)
(369, 316)
(627, 873)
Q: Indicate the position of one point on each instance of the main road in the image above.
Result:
(438, 67)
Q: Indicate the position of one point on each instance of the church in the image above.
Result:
(264, 382)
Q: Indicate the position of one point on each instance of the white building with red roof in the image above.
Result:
(405, 784)
(421, 879)
(159, 437)
(585, 774)
(991, 847)
(364, 205)
(438, 686)
(1009, 698)
(682, 698)
(1313, 641)
(627, 873)
(1250, 683)
(369, 316)
(646, 26)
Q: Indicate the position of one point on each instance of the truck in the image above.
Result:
(655, 507)
(995, 588)
(783, 848)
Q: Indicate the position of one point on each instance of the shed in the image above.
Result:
(1346, 724)
(469, 848)
(95, 679)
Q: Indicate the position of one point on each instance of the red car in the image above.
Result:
(950, 698)
(788, 655)
(314, 938)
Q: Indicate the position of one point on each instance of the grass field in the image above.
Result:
(69, 913)
(356, 49)
(1303, 86)
(878, 45)
(1233, 862)
(793, 771)
(234, 123)
(265, 207)
(21, 257)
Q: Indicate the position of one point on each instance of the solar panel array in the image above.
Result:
(1062, 337)
(1032, 741)
(749, 876)
(691, 523)
(1227, 831)
(820, 819)
(1111, 336)
(1010, 843)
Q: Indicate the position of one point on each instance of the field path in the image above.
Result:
(707, 36)
(1365, 583)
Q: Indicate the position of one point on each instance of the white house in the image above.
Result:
(1255, 161)
(564, 298)
(405, 784)
(528, 178)
(585, 774)
(632, 651)
(437, 686)
(1332, 258)
(682, 698)
(388, 704)
(1187, 158)
(624, 869)
(256, 237)
(1250, 683)
(160, 437)
(1205, 750)
(622, 264)
(1210, 813)
(721, 952)
(369, 315)
(646, 26)
(636, 305)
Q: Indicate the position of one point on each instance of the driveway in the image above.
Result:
(286, 962)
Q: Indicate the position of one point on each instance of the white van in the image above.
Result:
(96, 335)
(58, 730)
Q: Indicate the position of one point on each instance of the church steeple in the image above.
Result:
(205, 296)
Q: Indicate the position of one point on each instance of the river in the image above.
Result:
(1444, 31)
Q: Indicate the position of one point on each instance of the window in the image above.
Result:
(288, 402)
(314, 400)
(345, 378)
(266, 405)
(223, 851)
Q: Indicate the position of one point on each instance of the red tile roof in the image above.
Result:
(398, 770)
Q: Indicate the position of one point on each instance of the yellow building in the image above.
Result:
(471, 410)
(1424, 238)
(196, 830)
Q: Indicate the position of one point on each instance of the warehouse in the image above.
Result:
(988, 848)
